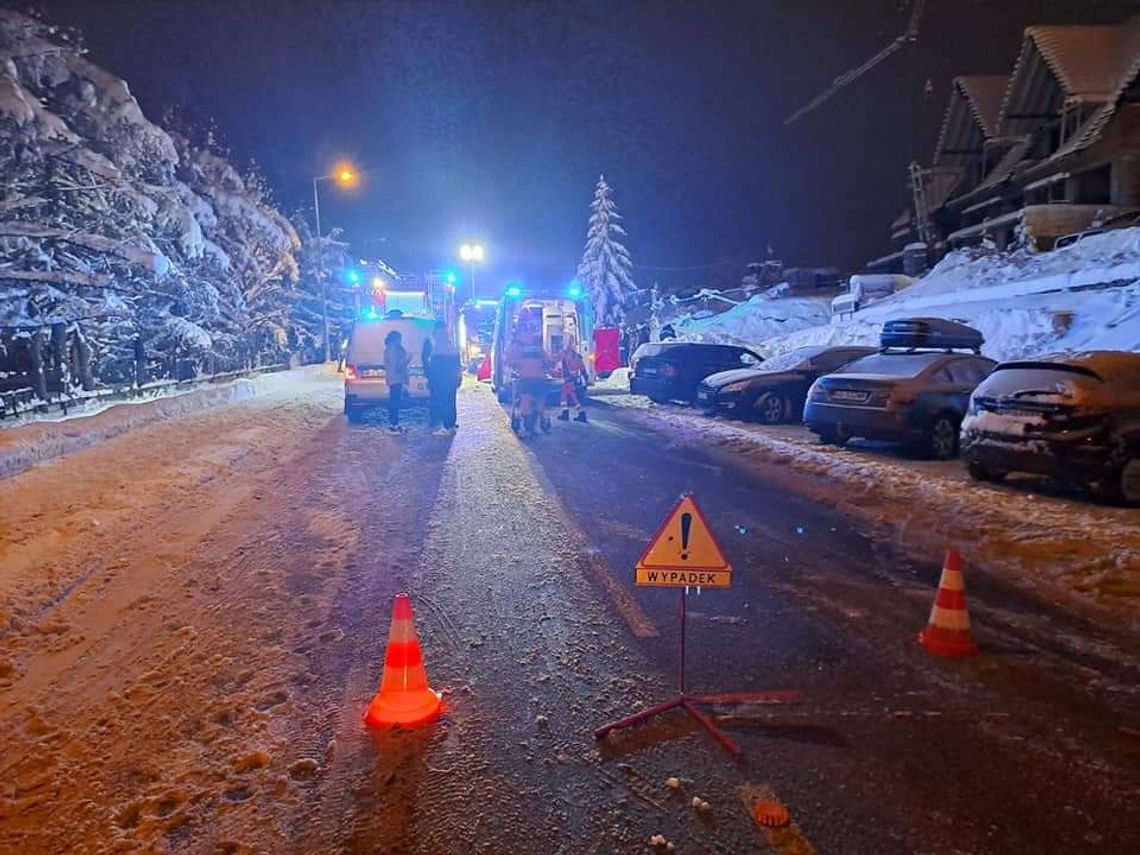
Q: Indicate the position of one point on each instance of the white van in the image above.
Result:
(365, 384)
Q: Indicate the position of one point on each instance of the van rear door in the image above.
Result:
(366, 349)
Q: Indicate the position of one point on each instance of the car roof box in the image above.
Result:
(930, 334)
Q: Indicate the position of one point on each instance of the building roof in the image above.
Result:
(1084, 59)
(984, 93)
(1093, 64)
(1126, 68)
(972, 116)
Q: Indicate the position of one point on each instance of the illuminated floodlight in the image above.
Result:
(472, 252)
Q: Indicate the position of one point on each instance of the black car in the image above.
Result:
(671, 370)
(1074, 417)
(775, 391)
(914, 391)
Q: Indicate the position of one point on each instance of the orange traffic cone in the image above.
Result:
(948, 631)
(404, 697)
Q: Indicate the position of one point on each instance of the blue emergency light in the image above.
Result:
(369, 313)
(513, 292)
(574, 291)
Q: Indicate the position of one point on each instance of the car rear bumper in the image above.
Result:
(652, 387)
(868, 422)
(1065, 461)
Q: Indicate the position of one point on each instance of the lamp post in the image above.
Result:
(345, 176)
(472, 254)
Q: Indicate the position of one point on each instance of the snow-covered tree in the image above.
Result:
(127, 251)
(328, 259)
(606, 268)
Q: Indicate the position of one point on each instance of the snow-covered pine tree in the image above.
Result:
(606, 268)
(127, 252)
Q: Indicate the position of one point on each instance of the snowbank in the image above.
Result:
(1110, 257)
(760, 318)
(25, 445)
(1082, 297)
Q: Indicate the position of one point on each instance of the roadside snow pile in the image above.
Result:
(618, 381)
(760, 318)
(1082, 297)
(1097, 259)
(25, 445)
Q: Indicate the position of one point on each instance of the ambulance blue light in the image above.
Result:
(513, 292)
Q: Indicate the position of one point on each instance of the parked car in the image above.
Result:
(365, 384)
(1073, 417)
(1123, 220)
(775, 391)
(913, 391)
(671, 370)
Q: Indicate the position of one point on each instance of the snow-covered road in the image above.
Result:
(193, 617)
(1026, 531)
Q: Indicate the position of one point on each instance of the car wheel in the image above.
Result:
(981, 473)
(1123, 486)
(770, 408)
(942, 443)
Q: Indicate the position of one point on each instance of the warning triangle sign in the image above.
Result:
(684, 542)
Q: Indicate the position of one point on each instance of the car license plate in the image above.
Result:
(647, 371)
(850, 395)
(372, 372)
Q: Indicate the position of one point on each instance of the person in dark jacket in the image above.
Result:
(443, 367)
(396, 373)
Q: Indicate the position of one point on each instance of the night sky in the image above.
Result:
(493, 119)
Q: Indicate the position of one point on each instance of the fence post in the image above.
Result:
(39, 378)
(58, 362)
(140, 363)
(83, 358)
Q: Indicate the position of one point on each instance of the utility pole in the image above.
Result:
(321, 271)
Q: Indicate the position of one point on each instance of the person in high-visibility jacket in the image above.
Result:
(529, 361)
(573, 370)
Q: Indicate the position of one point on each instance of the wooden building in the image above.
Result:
(1051, 149)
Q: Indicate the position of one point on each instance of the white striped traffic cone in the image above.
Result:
(947, 633)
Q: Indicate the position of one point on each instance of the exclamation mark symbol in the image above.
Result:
(686, 525)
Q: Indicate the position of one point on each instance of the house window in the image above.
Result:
(1094, 187)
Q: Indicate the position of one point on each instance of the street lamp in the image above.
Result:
(345, 176)
(472, 254)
